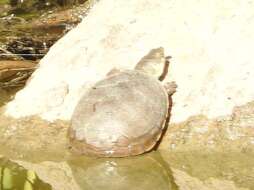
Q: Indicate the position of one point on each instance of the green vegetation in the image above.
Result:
(28, 15)
(4, 2)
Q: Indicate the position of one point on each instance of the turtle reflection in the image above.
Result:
(142, 172)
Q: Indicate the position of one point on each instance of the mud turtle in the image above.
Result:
(125, 113)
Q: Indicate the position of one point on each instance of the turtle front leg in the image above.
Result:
(170, 87)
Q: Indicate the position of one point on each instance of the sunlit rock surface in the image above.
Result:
(210, 41)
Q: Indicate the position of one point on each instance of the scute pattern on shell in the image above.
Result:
(121, 115)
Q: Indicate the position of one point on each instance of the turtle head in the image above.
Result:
(155, 63)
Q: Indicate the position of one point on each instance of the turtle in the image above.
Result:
(125, 113)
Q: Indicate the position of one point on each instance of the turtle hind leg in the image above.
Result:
(170, 87)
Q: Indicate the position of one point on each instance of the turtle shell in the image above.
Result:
(119, 116)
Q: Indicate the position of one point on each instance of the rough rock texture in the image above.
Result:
(210, 41)
(33, 138)
(234, 132)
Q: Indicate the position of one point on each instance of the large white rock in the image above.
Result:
(211, 43)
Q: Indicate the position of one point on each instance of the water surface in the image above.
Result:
(14, 176)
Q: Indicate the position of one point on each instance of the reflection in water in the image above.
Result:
(13, 176)
(146, 172)
(212, 170)
(156, 170)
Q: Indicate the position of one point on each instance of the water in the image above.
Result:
(14, 176)
(155, 170)
(148, 172)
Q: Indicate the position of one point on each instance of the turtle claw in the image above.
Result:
(170, 87)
